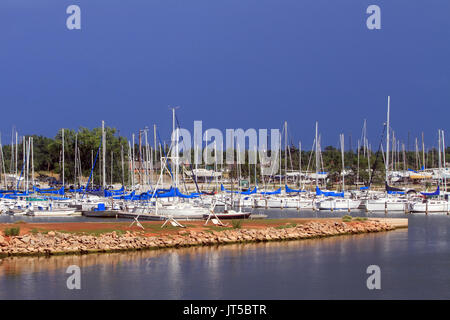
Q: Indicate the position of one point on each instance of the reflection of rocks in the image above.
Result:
(58, 243)
(145, 258)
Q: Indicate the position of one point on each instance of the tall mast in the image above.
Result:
(175, 143)
(357, 168)
(417, 154)
(280, 160)
(387, 139)
(140, 157)
(155, 146)
(123, 171)
(62, 137)
(92, 166)
(364, 136)
(440, 159)
(32, 161)
(146, 156)
(300, 164)
(24, 159)
(3, 163)
(343, 164)
(28, 162)
(423, 152)
(215, 164)
(76, 159)
(11, 167)
(132, 161)
(112, 166)
(317, 154)
(104, 155)
(285, 152)
(17, 150)
(445, 164)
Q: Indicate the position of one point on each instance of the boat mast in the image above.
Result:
(24, 160)
(300, 164)
(440, 159)
(279, 154)
(62, 137)
(155, 146)
(285, 152)
(25, 143)
(445, 164)
(112, 166)
(215, 164)
(103, 155)
(3, 163)
(343, 164)
(146, 156)
(92, 166)
(121, 158)
(417, 155)
(317, 154)
(11, 167)
(387, 139)
(357, 168)
(76, 159)
(423, 152)
(132, 161)
(175, 143)
(17, 150)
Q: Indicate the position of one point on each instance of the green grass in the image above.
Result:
(285, 226)
(12, 232)
(237, 224)
(347, 218)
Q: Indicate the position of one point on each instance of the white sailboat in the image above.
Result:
(387, 203)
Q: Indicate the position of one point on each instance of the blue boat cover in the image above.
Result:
(328, 193)
(248, 192)
(289, 190)
(430, 194)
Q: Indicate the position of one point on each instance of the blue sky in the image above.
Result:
(230, 63)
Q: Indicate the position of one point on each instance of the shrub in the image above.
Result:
(236, 224)
(347, 218)
(12, 232)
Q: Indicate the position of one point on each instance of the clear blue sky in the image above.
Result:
(230, 63)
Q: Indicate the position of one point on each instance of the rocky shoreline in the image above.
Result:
(55, 243)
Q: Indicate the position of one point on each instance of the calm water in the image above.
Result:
(415, 263)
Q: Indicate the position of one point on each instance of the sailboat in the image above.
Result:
(174, 206)
(432, 202)
(338, 202)
(387, 203)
